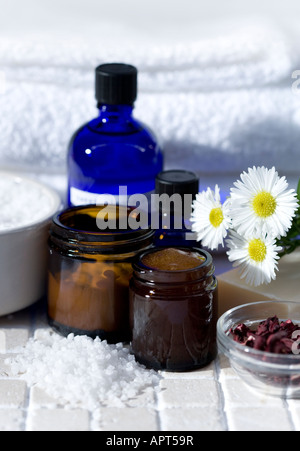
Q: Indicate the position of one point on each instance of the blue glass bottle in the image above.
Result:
(114, 149)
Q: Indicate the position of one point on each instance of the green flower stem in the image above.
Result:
(292, 240)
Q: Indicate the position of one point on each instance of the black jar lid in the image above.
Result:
(116, 84)
(177, 182)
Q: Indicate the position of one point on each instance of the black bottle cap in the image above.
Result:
(177, 181)
(116, 83)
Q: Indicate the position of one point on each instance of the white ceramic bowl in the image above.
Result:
(23, 246)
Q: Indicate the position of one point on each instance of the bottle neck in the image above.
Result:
(114, 112)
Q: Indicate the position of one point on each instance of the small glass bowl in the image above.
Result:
(269, 373)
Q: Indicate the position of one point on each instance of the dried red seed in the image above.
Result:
(270, 335)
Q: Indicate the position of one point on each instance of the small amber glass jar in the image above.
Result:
(173, 313)
(89, 272)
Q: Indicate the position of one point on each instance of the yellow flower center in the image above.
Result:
(216, 217)
(257, 250)
(264, 204)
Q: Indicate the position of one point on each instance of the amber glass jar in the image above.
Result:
(173, 309)
(89, 272)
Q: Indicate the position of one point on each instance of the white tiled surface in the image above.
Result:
(211, 399)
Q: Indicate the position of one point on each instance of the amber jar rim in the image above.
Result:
(153, 275)
(62, 231)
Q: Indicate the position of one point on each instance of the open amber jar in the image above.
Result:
(90, 269)
(173, 309)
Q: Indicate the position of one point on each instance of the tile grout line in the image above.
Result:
(26, 408)
(32, 326)
(289, 414)
(157, 407)
(221, 394)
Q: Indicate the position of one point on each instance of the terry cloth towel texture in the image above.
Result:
(218, 105)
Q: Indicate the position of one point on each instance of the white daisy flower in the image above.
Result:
(261, 201)
(210, 219)
(257, 257)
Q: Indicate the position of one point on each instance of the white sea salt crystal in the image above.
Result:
(22, 202)
(81, 372)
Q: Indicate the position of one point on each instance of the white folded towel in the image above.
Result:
(218, 105)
